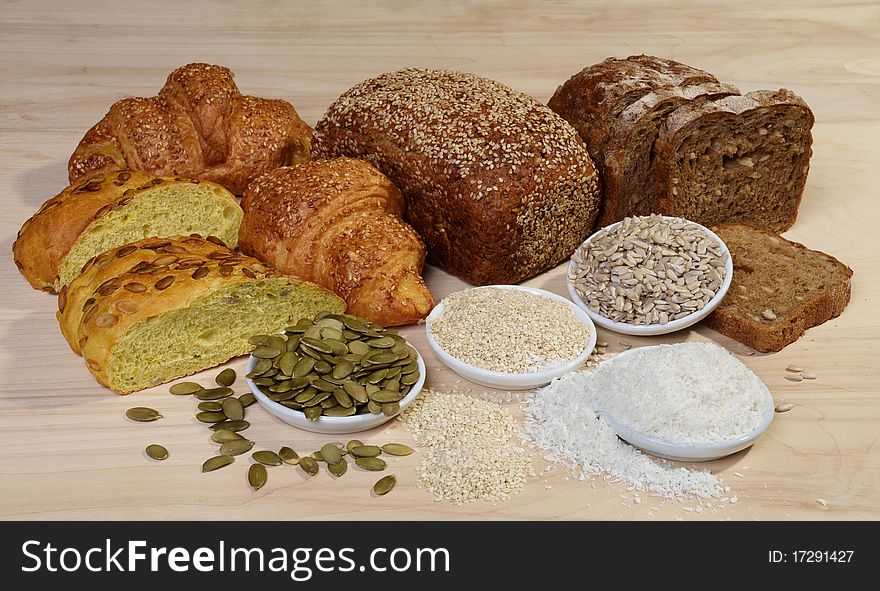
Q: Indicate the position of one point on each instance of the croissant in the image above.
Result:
(338, 223)
(199, 125)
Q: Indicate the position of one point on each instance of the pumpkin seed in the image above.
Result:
(304, 367)
(371, 464)
(358, 347)
(343, 369)
(226, 377)
(353, 444)
(270, 458)
(214, 393)
(257, 476)
(216, 462)
(230, 426)
(316, 455)
(185, 388)
(142, 414)
(287, 362)
(356, 391)
(236, 447)
(382, 343)
(383, 396)
(225, 436)
(397, 449)
(211, 417)
(308, 465)
(374, 407)
(331, 453)
(247, 399)
(384, 484)
(323, 367)
(329, 403)
(233, 409)
(313, 413)
(389, 409)
(210, 406)
(342, 397)
(315, 344)
(265, 352)
(365, 451)
(259, 339)
(156, 452)
(339, 468)
(339, 411)
(260, 367)
(288, 456)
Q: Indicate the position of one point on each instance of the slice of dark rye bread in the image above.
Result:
(629, 172)
(799, 287)
(738, 158)
(592, 99)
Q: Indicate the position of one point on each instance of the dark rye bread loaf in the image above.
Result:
(738, 158)
(629, 179)
(592, 99)
(498, 186)
(779, 289)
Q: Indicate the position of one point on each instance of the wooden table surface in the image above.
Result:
(68, 452)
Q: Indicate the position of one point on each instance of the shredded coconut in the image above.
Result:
(688, 393)
(563, 419)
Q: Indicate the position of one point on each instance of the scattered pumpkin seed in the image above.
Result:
(142, 414)
(331, 453)
(353, 443)
(339, 468)
(223, 436)
(214, 393)
(288, 456)
(236, 447)
(269, 458)
(233, 409)
(257, 476)
(216, 462)
(185, 388)
(397, 449)
(210, 406)
(226, 377)
(372, 464)
(366, 451)
(247, 399)
(157, 452)
(211, 417)
(385, 484)
(231, 425)
(308, 465)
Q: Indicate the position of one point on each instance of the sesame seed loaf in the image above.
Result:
(161, 308)
(108, 210)
(592, 99)
(498, 186)
(780, 288)
(738, 158)
(199, 125)
(629, 179)
(338, 223)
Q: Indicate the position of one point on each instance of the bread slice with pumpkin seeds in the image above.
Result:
(107, 211)
(161, 308)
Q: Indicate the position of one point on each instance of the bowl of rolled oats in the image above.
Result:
(650, 275)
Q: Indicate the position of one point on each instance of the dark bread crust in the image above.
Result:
(746, 192)
(592, 99)
(499, 187)
(759, 257)
(630, 187)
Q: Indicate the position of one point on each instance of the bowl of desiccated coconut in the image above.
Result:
(510, 337)
(650, 275)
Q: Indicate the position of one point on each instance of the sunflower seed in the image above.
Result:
(235, 447)
(371, 464)
(385, 484)
(794, 377)
(142, 414)
(397, 449)
(308, 465)
(157, 452)
(216, 462)
(784, 406)
(288, 456)
(226, 377)
(270, 458)
(257, 476)
(794, 369)
(185, 388)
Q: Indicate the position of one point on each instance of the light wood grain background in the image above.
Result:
(68, 452)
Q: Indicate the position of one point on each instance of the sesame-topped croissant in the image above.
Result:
(199, 125)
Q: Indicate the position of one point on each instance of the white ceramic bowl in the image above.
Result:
(655, 329)
(513, 381)
(332, 425)
(691, 453)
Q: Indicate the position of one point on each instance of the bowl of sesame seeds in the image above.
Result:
(510, 337)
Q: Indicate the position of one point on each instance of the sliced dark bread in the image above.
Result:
(738, 158)
(779, 288)
(629, 172)
(592, 99)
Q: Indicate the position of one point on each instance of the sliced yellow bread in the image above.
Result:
(158, 309)
(91, 217)
(779, 288)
